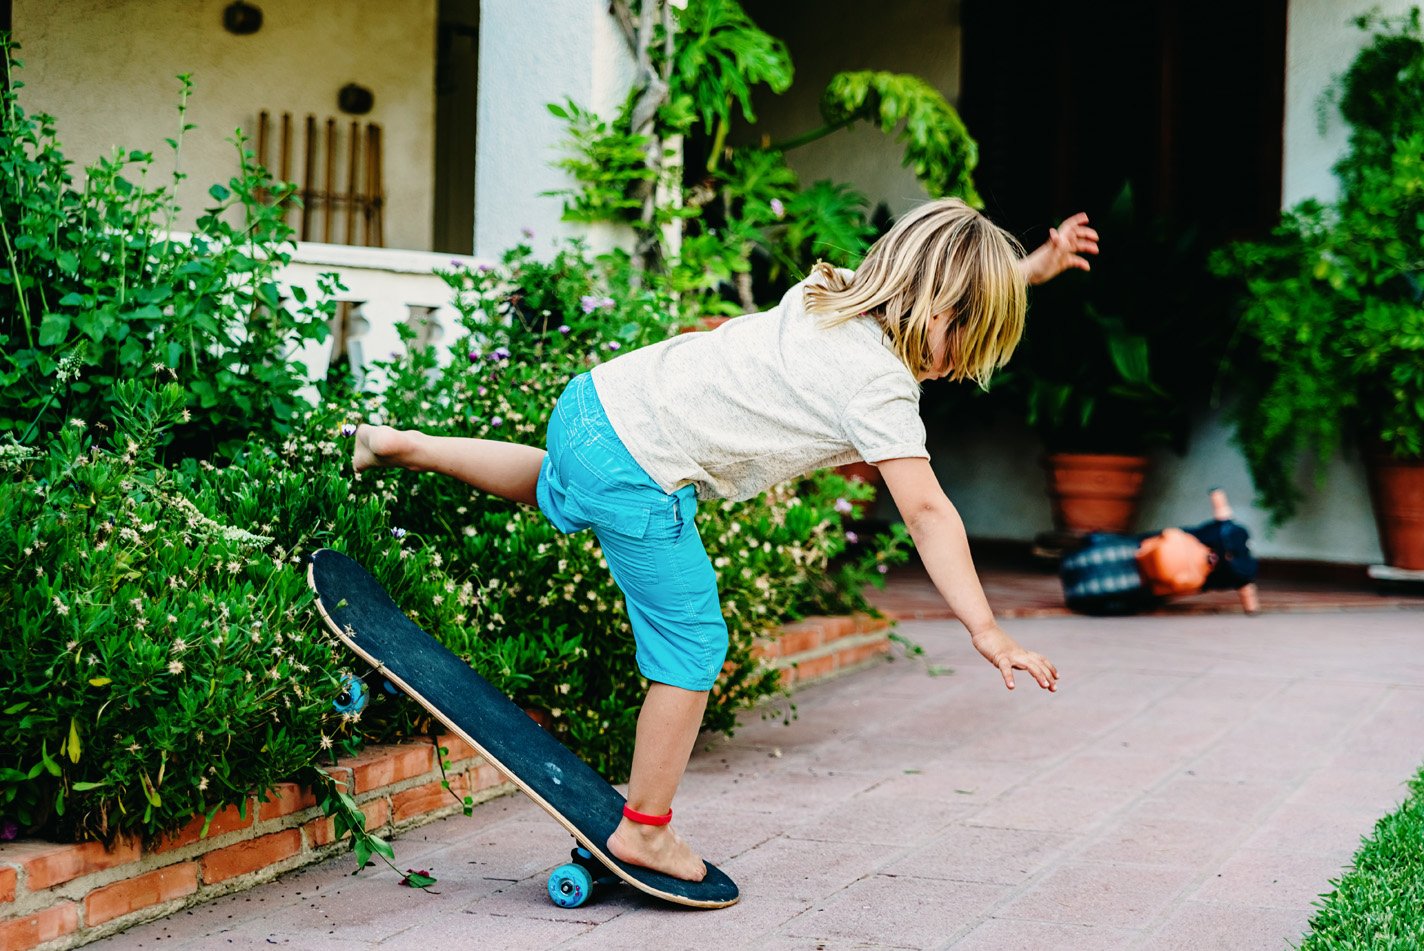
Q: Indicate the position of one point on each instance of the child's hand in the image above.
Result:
(1064, 249)
(1003, 652)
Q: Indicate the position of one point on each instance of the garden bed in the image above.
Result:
(62, 895)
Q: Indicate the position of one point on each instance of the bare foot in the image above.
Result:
(378, 446)
(658, 848)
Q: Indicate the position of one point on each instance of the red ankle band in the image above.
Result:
(647, 820)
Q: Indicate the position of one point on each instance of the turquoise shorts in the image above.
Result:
(589, 480)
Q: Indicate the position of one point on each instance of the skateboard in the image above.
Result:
(359, 612)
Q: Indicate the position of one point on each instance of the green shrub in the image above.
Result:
(94, 276)
(158, 661)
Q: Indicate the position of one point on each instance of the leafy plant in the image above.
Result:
(744, 211)
(1331, 322)
(93, 276)
(938, 148)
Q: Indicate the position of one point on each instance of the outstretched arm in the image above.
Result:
(1064, 249)
(939, 537)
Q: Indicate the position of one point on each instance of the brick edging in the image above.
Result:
(62, 895)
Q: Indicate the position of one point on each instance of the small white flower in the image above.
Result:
(175, 667)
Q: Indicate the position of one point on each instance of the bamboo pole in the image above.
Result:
(262, 118)
(329, 185)
(308, 161)
(351, 195)
(286, 175)
(366, 207)
(378, 191)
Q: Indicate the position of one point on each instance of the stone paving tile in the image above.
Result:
(1312, 830)
(1334, 787)
(1113, 768)
(1195, 797)
(807, 870)
(686, 929)
(486, 932)
(972, 782)
(1149, 838)
(968, 853)
(1052, 808)
(1203, 926)
(1009, 934)
(1273, 879)
(1114, 896)
(866, 820)
(901, 912)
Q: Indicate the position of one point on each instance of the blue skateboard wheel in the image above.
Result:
(570, 885)
(352, 698)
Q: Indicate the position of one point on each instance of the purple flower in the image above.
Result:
(398, 533)
(844, 507)
(9, 829)
(475, 355)
(777, 208)
(589, 303)
(349, 429)
(614, 345)
(483, 268)
(497, 421)
(499, 354)
(881, 568)
(481, 391)
(564, 328)
(851, 538)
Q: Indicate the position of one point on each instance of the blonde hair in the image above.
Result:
(941, 258)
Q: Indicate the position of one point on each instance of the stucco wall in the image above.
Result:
(106, 69)
(532, 54)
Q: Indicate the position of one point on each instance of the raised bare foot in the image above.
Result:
(658, 848)
(377, 446)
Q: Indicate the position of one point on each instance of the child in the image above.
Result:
(829, 376)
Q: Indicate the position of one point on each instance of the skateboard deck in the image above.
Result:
(359, 612)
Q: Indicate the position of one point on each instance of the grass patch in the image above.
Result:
(1379, 904)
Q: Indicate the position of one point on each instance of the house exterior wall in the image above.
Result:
(992, 470)
(532, 54)
(106, 69)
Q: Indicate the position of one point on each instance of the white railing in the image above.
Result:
(385, 289)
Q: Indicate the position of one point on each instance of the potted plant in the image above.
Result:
(1333, 306)
(1112, 365)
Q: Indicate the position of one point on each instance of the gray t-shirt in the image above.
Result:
(762, 399)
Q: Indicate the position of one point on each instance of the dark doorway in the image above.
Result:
(1069, 101)
(457, 51)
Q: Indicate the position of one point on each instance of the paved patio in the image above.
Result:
(1195, 784)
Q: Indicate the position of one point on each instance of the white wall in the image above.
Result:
(531, 54)
(106, 69)
(1320, 43)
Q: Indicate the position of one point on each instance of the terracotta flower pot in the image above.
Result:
(1397, 490)
(1094, 493)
